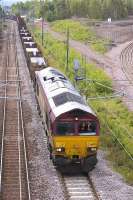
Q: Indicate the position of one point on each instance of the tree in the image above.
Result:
(61, 9)
(49, 10)
(116, 9)
(95, 9)
(129, 6)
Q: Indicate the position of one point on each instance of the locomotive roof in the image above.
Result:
(61, 94)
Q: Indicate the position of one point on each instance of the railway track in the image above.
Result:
(126, 58)
(80, 187)
(117, 34)
(14, 177)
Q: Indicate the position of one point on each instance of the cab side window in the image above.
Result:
(87, 127)
(65, 128)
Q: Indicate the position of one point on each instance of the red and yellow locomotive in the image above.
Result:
(71, 125)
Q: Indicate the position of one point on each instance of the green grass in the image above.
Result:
(115, 120)
(81, 33)
(77, 31)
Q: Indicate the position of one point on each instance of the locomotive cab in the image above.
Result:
(75, 139)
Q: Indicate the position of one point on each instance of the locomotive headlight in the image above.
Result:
(60, 149)
(91, 149)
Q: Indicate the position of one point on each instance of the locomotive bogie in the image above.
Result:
(87, 164)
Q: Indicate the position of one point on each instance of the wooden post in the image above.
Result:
(42, 6)
(67, 52)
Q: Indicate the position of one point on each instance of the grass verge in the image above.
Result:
(81, 33)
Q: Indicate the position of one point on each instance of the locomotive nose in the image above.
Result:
(75, 147)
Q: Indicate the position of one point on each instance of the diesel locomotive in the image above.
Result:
(71, 126)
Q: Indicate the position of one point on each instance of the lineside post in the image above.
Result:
(67, 51)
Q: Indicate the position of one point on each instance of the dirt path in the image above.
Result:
(110, 62)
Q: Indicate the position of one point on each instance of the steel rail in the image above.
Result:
(4, 119)
(22, 125)
(1, 81)
(10, 98)
(123, 64)
(19, 129)
(93, 188)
